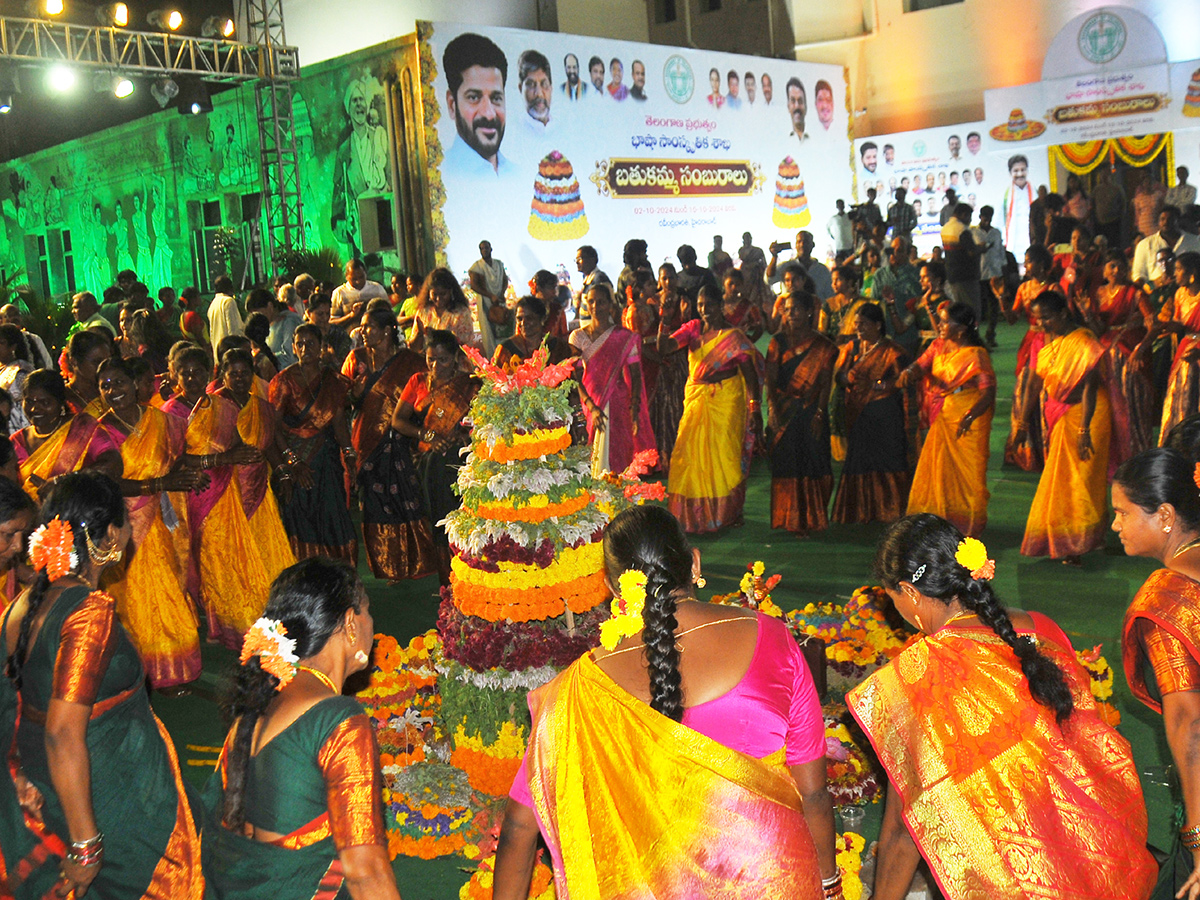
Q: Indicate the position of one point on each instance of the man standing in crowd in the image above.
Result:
(1108, 206)
(901, 219)
(489, 280)
(1148, 201)
(1170, 237)
(897, 282)
(586, 262)
(476, 73)
(991, 265)
(871, 216)
(350, 299)
(1183, 194)
(948, 206)
(1018, 198)
(797, 104)
(224, 318)
(10, 314)
(1037, 217)
(573, 88)
(718, 260)
(841, 231)
(304, 284)
(962, 259)
(804, 261)
(692, 275)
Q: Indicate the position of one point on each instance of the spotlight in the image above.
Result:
(61, 78)
(122, 86)
(194, 99)
(113, 15)
(6, 104)
(42, 8)
(164, 90)
(165, 19)
(217, 26)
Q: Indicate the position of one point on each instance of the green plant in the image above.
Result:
(323, 265)
(50, 318)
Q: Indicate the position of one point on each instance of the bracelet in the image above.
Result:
(289, 456)
(832, 879)
(1190, 837)
(87, 853)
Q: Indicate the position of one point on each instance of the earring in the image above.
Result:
(1166, 529)
(361, 657)
(920, 624)
(700, 581)
(112, 555)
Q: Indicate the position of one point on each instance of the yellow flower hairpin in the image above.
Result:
(972, 555)
(626, 608)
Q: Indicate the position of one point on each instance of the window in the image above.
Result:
(711, 5)
(918, 5)
(664, 11)
(68, 260)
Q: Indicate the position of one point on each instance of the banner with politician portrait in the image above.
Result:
(541, 142)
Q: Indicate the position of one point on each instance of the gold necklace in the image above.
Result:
(678, 634)
(42, 435)
(120, 418)
(1190, 545)
(321, 677)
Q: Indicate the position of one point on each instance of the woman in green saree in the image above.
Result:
(294, 806)
(116, 816)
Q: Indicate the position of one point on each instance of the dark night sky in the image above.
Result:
(40, 119)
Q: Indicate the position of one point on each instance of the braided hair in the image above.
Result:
(649, 539)
(90, 502)
(310, 599)
(929, 542)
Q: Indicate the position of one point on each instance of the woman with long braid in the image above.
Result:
(992, 743)
(89, 744)
(701, 740)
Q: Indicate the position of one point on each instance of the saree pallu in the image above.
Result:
(951, 475)
(396, 532)
(1129, 388)
(150, 591)
(800, 462)
(380, 395)
(227, 572)
(140, 802)
(317, 520)
(63, 452)
(875, 479)
(1026, 453)
(286, 793)
(256, 426)
(609, 383)
(665, 811)
(1069, 515)
(1182, 396)
(1001, 800)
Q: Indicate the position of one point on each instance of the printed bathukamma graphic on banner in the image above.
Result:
(544, 142)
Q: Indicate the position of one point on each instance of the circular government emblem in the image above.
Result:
(1102, 38)
(919, 148)
(678, 79)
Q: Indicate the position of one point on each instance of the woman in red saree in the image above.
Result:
(397, 538)
(311, 402)
(959, 398)
(1113, 313)
(1156, 513)
(721, 420)
(799, 374)
(512, 352)
(1069, 514)
(1181, 316)
(611, 387)
(875, 478)
(1002, 774)
(727, 797)
(1025, 452)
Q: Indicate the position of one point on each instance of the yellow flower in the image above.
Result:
(632, 586)
(758, 569)
(769, 607)
(971, 554)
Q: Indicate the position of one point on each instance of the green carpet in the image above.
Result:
(1088, 603)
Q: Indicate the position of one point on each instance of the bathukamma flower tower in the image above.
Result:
(525, 600)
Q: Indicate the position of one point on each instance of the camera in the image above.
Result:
(778, 247)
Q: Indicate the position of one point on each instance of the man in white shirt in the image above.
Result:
(1145, 256)
(841, 231)
(224, 317)
(489, 280)
(1183, 194)
(991, 265)
(350, 299)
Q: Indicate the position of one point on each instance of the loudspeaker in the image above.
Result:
(252, 206)
(376, 229)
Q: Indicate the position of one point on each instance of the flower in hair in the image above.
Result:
(972, 555)
(1196, 475)
(626, 608)
(52, 548)
(267, 639)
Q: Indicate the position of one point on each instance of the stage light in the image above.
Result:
(165, 19)
(217, 26)
(164, 90)
(6, 104)
(194, 99)
(44, 8)
(61, 78)
(122, 87)
(113, 15)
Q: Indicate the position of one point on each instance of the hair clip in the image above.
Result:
(917, 574)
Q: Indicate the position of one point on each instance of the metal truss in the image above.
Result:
(47, 41)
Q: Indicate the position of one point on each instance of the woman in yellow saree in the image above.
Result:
(684, 760)
(1002, 774)
(721, 418)
(56, 442)
(1069, 514)
(960, 396)
(150, 588)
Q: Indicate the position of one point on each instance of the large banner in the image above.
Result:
(544, 142)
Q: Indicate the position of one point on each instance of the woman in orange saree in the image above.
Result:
(256, 425)
(992, 742)
(1025, 452)
(531, 333)
(875, 479)
(1156, 513)
(960, 396)
(150, 588)
(721, 418)
(799, 375)
(397, 537)
(727, 797)
(1069, 514)
(1181, 316)
(56, 442)
(311, 402)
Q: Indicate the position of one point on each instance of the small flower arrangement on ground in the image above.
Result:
(850, 772)
(754, 591)
(1102, 682)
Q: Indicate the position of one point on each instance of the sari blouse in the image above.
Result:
(725, 354)
(948, 371)
(1183, 307)
(1162, 635)
(883, 362)
(800, 366)
(443, 409)
(64, 451)
(381, 396)
(303, 413)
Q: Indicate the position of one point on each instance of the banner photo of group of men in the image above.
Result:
(541, 142)
(967, 159)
